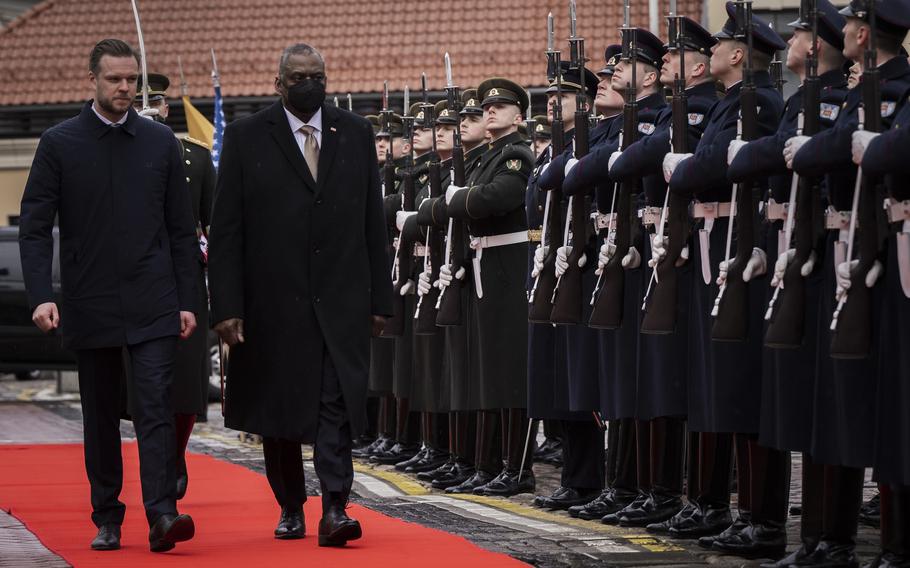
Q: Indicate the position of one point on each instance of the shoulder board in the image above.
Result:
(196, 142)
(828, 111)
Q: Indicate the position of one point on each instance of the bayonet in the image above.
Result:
(143, 63)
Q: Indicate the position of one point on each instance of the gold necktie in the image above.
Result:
(310, 149)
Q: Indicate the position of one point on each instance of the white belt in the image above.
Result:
(650, 216)
(492, 241)
(775, 211)
(602, 220)
(838, 220)
(710, 210)
(897, 211)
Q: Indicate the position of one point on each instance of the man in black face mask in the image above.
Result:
(299, 279)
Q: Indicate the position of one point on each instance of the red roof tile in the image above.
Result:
(44, 53)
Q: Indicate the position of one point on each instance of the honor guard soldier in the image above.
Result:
(663, 359)
(563, 360)
(190, 388)
(492, 205)
(847, 418)
(725, 376)
(886, 155)
(390, 140)
(463, 398)
(788, 382)
(540, 137)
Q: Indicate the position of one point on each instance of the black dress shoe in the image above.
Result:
(445, 468)
(571, 498)
(396, 454)
(290, 525)
(108, 538)
(431, 460)
(830, 554)
(609, 501)
(891, 560)
(702, 522)
(741, 523)
(507, 484)
(463, 471)
(795, 558)
(654, 509)
(408, 462)
(755, 541)
(336, 528)
(542, 500)
(613, 518)
(548, 447)
(681, 515)
(168, 530)
(554, 457)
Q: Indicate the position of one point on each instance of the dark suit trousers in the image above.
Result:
(331, 454)
(100, 372)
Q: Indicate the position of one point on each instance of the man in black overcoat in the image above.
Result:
(298, 272)
(117, 185)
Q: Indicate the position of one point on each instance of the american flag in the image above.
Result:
(219, 114)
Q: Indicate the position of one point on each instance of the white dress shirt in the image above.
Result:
(299, 135)
(109, 122)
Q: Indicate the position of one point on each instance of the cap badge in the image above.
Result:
(494, 92)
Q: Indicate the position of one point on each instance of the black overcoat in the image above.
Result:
(127, 244)
(303, 263)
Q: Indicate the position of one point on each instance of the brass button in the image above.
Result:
(187, 179)
(187, 162)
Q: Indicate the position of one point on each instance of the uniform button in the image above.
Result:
(540, 207)
(187, 179)
(319, 201)
(315, 250)
(315, 299)
(187, 162)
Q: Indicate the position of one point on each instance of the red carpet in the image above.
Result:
(45, 487)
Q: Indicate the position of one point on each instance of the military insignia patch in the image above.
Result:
(471, 103)
(888, 108)
(423, 178)
(513, 165)
(829, 111)
(646, 128)
(696, 118)
(493, 92)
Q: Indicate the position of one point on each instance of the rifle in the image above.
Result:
(425, 314)
(567, 293)
(776, 70)
(545, 282)
(448, 304)
(401, 269)
(388, 167)
(786, 311)
(660, 313)
(731, 306)
(147, 111)
(851, 324)
(610, 290)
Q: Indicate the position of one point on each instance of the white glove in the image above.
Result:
(451, 191)
(423, 283)
(861, 139)
(683, 256)
(722, 272)
(671, 161)
(632, 260)
(791, 148)
(606, 253)
(613, 157)
(149, 113)
(757, 265)
(401, 217)
(733, 149)
(539, 255)
(562, 260)
(407, 288)
(570, 165)
(784, 260)
(845, 268)
(658, 250)
(446, 277)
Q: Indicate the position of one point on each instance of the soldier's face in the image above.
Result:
(473, 129)
(540, 145)
(856, 34)
(853, 76)
(115, 83)
(607, 100)
(500, 117)
(723, 58)
(161, 104)
(622, 76)
(382, 147)
(568, 104)
(445, 138)
(800, 44)
(423, 140)
(400, 147)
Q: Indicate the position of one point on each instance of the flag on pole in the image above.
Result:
(218, 135)
(197, 125)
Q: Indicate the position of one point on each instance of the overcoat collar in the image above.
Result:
(281, 132)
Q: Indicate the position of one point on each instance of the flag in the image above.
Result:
(197, 125)
(219, 126)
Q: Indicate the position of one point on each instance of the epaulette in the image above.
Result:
(192, 140)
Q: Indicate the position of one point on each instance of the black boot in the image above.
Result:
(742, 522)
(517, 476)
(487, 456)
(637, 503)
(687, 510)
(565, 497)
(655, 509)
(609, 501)
(336, 528)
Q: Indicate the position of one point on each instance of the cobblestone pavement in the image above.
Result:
(511, 526)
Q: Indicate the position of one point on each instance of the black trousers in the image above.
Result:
(151, 373)
(331, 454)
(582, 454)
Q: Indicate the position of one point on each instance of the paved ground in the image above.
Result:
(32, 412)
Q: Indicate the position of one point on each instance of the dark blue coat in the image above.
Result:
(128, 249)
(725, 377)
(845, 399)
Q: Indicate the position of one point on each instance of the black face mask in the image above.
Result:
(306, 96)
